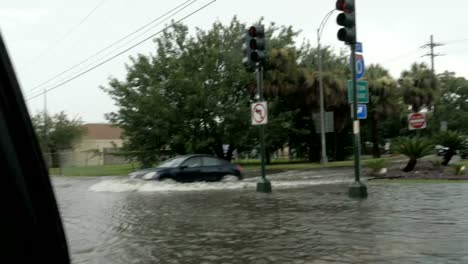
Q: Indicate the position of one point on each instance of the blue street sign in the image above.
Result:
(360, 67)
(359, 47)
(361, 111)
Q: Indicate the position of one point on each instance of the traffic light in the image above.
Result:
(347, 19)
(254, 47)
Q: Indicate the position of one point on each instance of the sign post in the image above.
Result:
(260, 117)
(358, 92)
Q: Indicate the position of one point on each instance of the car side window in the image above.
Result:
(208, 161)
(193, 162)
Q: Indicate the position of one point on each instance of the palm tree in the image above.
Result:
(414, 148)
(418, 87)
(454, 141)
(383, 101)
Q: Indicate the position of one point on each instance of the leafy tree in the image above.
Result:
(418, 87)
(453, 140)
(414, 148)
(56, 133)
(334, 77)
(383, 102)
(193, 95)
(452, 105)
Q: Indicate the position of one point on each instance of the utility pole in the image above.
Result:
(324, 158)
(431, 45)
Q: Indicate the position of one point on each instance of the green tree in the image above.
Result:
(334, 76)
(418, 87)
(452, 105)
(56, 133)
(192, 95)
(293, 77)
(383, 102)
(414, 148)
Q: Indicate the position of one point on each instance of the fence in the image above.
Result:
(69, 158)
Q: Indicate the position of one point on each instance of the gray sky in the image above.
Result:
(34, 30)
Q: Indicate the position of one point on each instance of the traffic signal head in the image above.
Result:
(254, 46)
(347, 19)
(345, 5)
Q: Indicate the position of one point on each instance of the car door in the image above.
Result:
(213, 169)
(190, 170)
(30, 221)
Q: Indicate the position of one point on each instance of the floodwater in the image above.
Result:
(307, 219)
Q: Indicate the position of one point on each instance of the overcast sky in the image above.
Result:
(46, 37)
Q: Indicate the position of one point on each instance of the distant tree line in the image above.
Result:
(192, 95)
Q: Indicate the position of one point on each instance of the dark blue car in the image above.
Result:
(190, 168)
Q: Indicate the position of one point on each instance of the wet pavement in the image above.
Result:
(307, 219)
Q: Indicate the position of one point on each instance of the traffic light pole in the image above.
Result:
(357, 189)
(264, 185)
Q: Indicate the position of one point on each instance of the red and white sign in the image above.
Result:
(417, 121)
(259, 113)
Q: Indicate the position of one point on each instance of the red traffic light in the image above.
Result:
(340, 5)
(345, 5)
(256, 31)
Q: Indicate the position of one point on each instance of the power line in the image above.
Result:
(115, 43)
(69, 32)
(455, 41)
(122, 52)
(401, 56)
(139, 35)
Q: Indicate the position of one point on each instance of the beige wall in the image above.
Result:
(80, 158)
(97, 144)
(88, 152)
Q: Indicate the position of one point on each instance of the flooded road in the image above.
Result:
(307, 219)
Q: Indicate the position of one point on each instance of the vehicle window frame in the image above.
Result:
(184, 164)
(172, 160)
(219, 161)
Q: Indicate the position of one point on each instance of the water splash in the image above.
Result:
(131, 185)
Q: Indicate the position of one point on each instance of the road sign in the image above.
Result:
(362, 111)
(360, 67)
(328, 120)
(359, 47)
(363, 92)
(259, 113)
(417, 121)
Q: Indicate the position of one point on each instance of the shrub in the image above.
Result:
(459, 169)
(414, 148)
(436, 163)
(375, 164)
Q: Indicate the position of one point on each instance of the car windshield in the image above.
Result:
(172, 163)
(236, 131)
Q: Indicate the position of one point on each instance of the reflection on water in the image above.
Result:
(303, 221)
